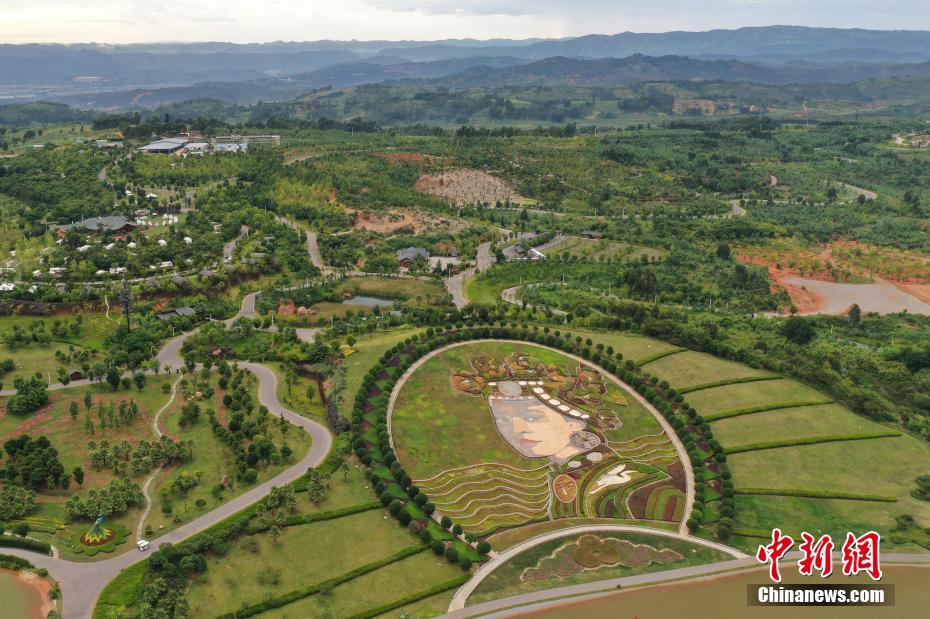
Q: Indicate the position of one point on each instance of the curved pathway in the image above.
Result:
(458, 601)
(81, 583)
(151, 478)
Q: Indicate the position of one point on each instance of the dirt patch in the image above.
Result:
(469, 186)
(42, 587)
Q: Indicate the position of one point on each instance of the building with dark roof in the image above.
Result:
(110, 223)
(406, 256)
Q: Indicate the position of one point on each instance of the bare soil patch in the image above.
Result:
(469, 186)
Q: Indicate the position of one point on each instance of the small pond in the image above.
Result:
(368, 301)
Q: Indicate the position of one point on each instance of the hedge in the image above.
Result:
(659, 355)
(761, 409)
(413, 598)
(321, 516)
(810, 440)
(25, 543)
(10, 562)
(299, 594)
(815, 494)
(731, 381)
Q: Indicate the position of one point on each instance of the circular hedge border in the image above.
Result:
(372, 445)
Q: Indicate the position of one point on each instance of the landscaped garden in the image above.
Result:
(588, 557)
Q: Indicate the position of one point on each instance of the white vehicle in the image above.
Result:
(143, 545)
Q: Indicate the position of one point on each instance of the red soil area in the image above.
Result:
(804, 300)
(409, 157)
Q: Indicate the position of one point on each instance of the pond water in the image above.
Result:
(881, 297)
(368, 301)
(725, 596)
(18, 598)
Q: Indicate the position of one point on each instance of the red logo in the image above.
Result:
(780, 545)
(859, 554)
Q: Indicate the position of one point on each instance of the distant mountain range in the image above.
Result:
(148, 75)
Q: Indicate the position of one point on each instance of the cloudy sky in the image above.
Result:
(124, 21)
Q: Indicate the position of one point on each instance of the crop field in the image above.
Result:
(603, 250)
(691, 369)
(588, 557)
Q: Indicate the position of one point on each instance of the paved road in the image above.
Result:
(527, 602)
(230, 247)
(313, 248)
(458, 601)
(81, 583)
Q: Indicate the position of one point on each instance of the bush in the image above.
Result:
(465, 563)
(484, 547)
(438, 548)
(452, 555)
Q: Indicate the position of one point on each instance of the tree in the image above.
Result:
(16, 502)
(316, 486)
(31, 395)
(78, 474)
(73, 409)
(855, 314)
(139, 380)
(88, 400)
(113, 377)
(310, 392)
(723, 251)
(798, 330)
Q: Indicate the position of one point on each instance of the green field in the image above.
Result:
(417, 291)
(382, 586)
(788, 423)
(691, 369)
(732, 397)
(508, 579)
(603, 249)
(632, 346)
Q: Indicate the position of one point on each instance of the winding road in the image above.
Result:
(81, 583)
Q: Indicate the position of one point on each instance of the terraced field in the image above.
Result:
(689, 370)
(799, 461)
(486, 497)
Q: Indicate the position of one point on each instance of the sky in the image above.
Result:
(253, 21)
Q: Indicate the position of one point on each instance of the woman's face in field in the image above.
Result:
(535, 430)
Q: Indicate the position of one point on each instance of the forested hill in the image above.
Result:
(639, 68)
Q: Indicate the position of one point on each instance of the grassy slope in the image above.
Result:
(689, 369)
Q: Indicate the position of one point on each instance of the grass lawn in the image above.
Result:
(507, 579)
(368, 350)
(690, 369)
(632, 346)
(511, 537)
(789, 423)
(304, 554)
(594, 250)
(213, 459)
(392, 582)
(732, 397)
(297, 400)
(421, 292)
(881, 466)
(483, 290)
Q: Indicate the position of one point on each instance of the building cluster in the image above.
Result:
(192, 144)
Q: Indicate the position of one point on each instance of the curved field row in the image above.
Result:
(690, 369)
(645, 448)
(482, 483)
(633, 443)
(479, 469)
(649, 455)
(738, 412)
(481, 474)
(515, 514)
(466, 510)
(539, 491)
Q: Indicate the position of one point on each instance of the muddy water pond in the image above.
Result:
(18, 598)
(725, 596)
